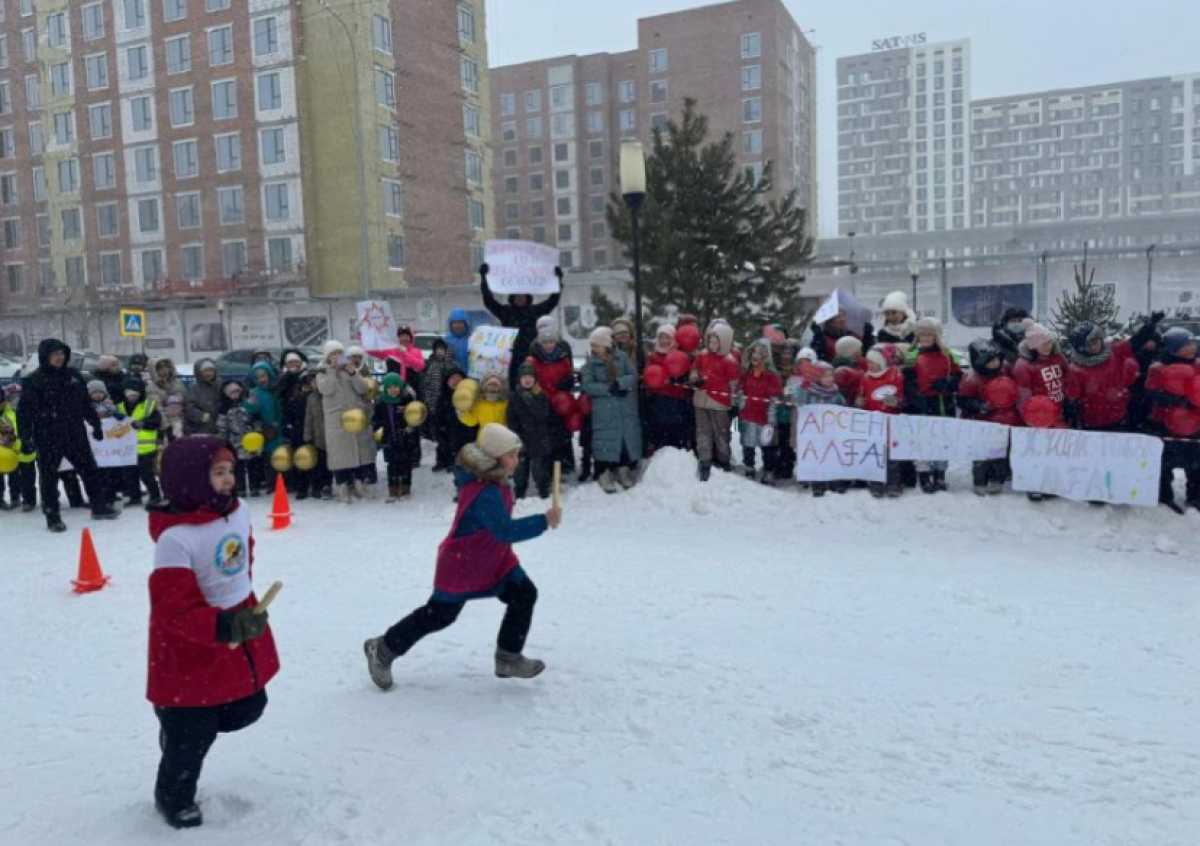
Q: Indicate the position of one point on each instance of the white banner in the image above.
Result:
(916, 438)
(490, 350)
(834, 443)
(857, 315)
(119, 447)
(1087, 466)
(376, 326)
(521, 267)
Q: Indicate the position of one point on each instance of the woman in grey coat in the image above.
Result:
(202, 399)
(348, 453)
(610, 379)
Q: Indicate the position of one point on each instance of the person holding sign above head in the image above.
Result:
(520, 313)
(1171, 391)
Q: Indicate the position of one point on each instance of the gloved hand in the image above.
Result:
(566, 384)
(942, 386)
(1157, 317)
(1171, 400)
(484, 269)
(27, 447)
(984, 409)
(558, 272)
(241, 625)
(616, 390)
(97, 433)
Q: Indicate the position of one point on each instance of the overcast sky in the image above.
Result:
(1017, 46)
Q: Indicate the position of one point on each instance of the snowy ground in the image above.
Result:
(727, 664)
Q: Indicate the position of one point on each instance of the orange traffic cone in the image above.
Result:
(91, 577)
(281, 509)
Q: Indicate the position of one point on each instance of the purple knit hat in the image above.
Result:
(185, 467)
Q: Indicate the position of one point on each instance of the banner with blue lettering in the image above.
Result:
(834, 443)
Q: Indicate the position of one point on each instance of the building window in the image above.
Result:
(179, 54)
(152, 266)
(595, 122)
(474, 163)
(381, 34)
(752, 77)
(181, 107)
(466, 25)
(393, 198)
(58, 33)
(270, 94)
(271, 144)
(475, 213)
(385, 88)
(6, 105)
(628, 121)
(593, 93)
(751, 45)
(60, 79)
(562, 152)
(596, 149)
(537, 210)
(137, 62)
(145, 163)
(627, 91)
(658, 60)
(107, 220)
(37, 139)
(560, 97)
(72, 224)
(597, 204)
(187, 210)
(104, 171)
(533, 127)
(535, 155)
(752, 142)
(186, 158)
(68, 176)
(96, 71)
(537, 183)
(220, 46)
(92, 17)
(395, 251)
(174, 10)
(658, 122)
(469, 71)
(276, 203)
(533, 100)
(192, 257)
(29, 44)
(562, 179)
(512, 212)
(229, 205)
(598, 230)
(389, 144)
(141, 113)
(13, 273)
(658, 91)
(110, 269)
(597, 177)
(266, 36)
(8, 190)
(599, 258)
(135, 14)
(33, 93)
(233, 258)
(508, 104)
(39, 184)
(224, 100)
(565, 232)
(508, 132)
(471, 120)
(64, 132)
(216, 5)
(148, 215)
(539, 234)
(76, 272)
(752, 109)
(279, 254)
(229, 153)
(512, 184)
(12, 233)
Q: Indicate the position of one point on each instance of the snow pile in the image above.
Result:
(669, 482)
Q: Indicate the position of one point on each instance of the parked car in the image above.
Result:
(235, 364)
(1192, 324)
(424, 341)
(84, 361)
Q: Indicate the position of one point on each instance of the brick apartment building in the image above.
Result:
(206, 147)
(557, 123)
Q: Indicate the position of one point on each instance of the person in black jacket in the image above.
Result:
(398, 439)
(54, 409)
(521, 314)
(1009, 332)
(452, 433)
(529, 416)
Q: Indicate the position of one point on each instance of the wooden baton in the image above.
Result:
(557, 488)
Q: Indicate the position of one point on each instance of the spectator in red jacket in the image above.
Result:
(1102, 374)
(202, 604)
(989, 394)
(931, 373)
(760, 388)
(667, 406)
(714, 377)
(1175, 416)
(1041, 371)
(882, 389)
(848, 365)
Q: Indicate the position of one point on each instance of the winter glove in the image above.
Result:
(566, 384)
(558, 272)
(484, 269)
(27, 447)
(240, 626)
(1170, 400)
(98, 432)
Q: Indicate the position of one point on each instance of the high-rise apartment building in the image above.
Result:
(557, 124)
(917, 154)
(208, 146)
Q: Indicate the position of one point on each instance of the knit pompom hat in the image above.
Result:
(601, 336)
(929, 326)
(848, 346)
(331, 347)
(496, 440)
(895, 301)
(96, 387)
(1037, 335)
(876, 359)
(547, 328)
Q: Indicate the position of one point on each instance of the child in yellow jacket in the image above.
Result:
(491, 405)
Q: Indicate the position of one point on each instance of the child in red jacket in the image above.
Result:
(882, 389)
(201, 604)
(989, 394)
(760, 388)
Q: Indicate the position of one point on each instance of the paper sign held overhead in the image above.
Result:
(521, 267)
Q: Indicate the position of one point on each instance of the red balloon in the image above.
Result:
(1183, 421)
(583, 405)
(575, 422)
(654, 377)
(562, 403)
(687, 337)
(1041, 412)
(677, 363)
(1000, 393)
(1178, 379)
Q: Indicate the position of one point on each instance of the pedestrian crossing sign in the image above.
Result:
(133, 323)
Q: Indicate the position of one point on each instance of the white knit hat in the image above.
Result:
(356, 351)
(292, 356)
(497, 440)
(930, 325)
(876, 357)
(806, 354)
(330, 347)
(848, 346)
(547, 328)
(895, 301)
(665, 329)
(1036, 335)
(601, 337)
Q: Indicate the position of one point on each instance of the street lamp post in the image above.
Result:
(364, 246)
(1150, 278)
(633, 189)
(914, 270)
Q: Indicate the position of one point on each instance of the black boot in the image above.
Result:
(748, 460)
(928, 485)
(939, 479)
(705, 470)
(54, 523)
(186, 817)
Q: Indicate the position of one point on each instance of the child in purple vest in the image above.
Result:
(476, 560)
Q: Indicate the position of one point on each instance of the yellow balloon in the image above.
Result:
(281, 459)
(8, 460)
(379, 435)
(354, 420)
(253, 442)
(465, 395)
(305, 458)
(415, 414)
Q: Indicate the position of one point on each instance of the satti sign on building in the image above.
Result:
(898, 41)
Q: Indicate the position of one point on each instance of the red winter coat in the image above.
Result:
(1047, 376)
(1156, 383)
(974, 387)
(849, 378)
(873, 389)
(671, 389)
(1103, 390)
(759, 390)
(719, 374)
(188, 666)
(553, 369)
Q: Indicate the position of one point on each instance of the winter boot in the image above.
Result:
(393, 493)
(405, 489)
(585, 467)
(818, 489)
(748, 461)
(877, 490)
(327, 492)
(894, 490)
(1037, 497)
(607, 483)
(625, 477)
(55, 524)
(344, 494)
(939, 479)
(766, 477)
(188, 816)
(928, 485)
(514, 665)
(27, 507)
(105, 512)
(379, 662)
(705, 470)
(980, 490)
(363, 490)
(994, 487)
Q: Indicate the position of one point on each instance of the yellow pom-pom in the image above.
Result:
(354, 420)
(305, 458)
(253, 442)
(465, 395)
(8, 460)
(415, 414)
(379, 435)
(281, 459)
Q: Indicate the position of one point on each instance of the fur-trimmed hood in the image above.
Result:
(477, 462)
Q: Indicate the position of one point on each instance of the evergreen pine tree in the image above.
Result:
(1087, 302)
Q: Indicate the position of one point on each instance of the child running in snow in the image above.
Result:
(476, 560)
(199, 607)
